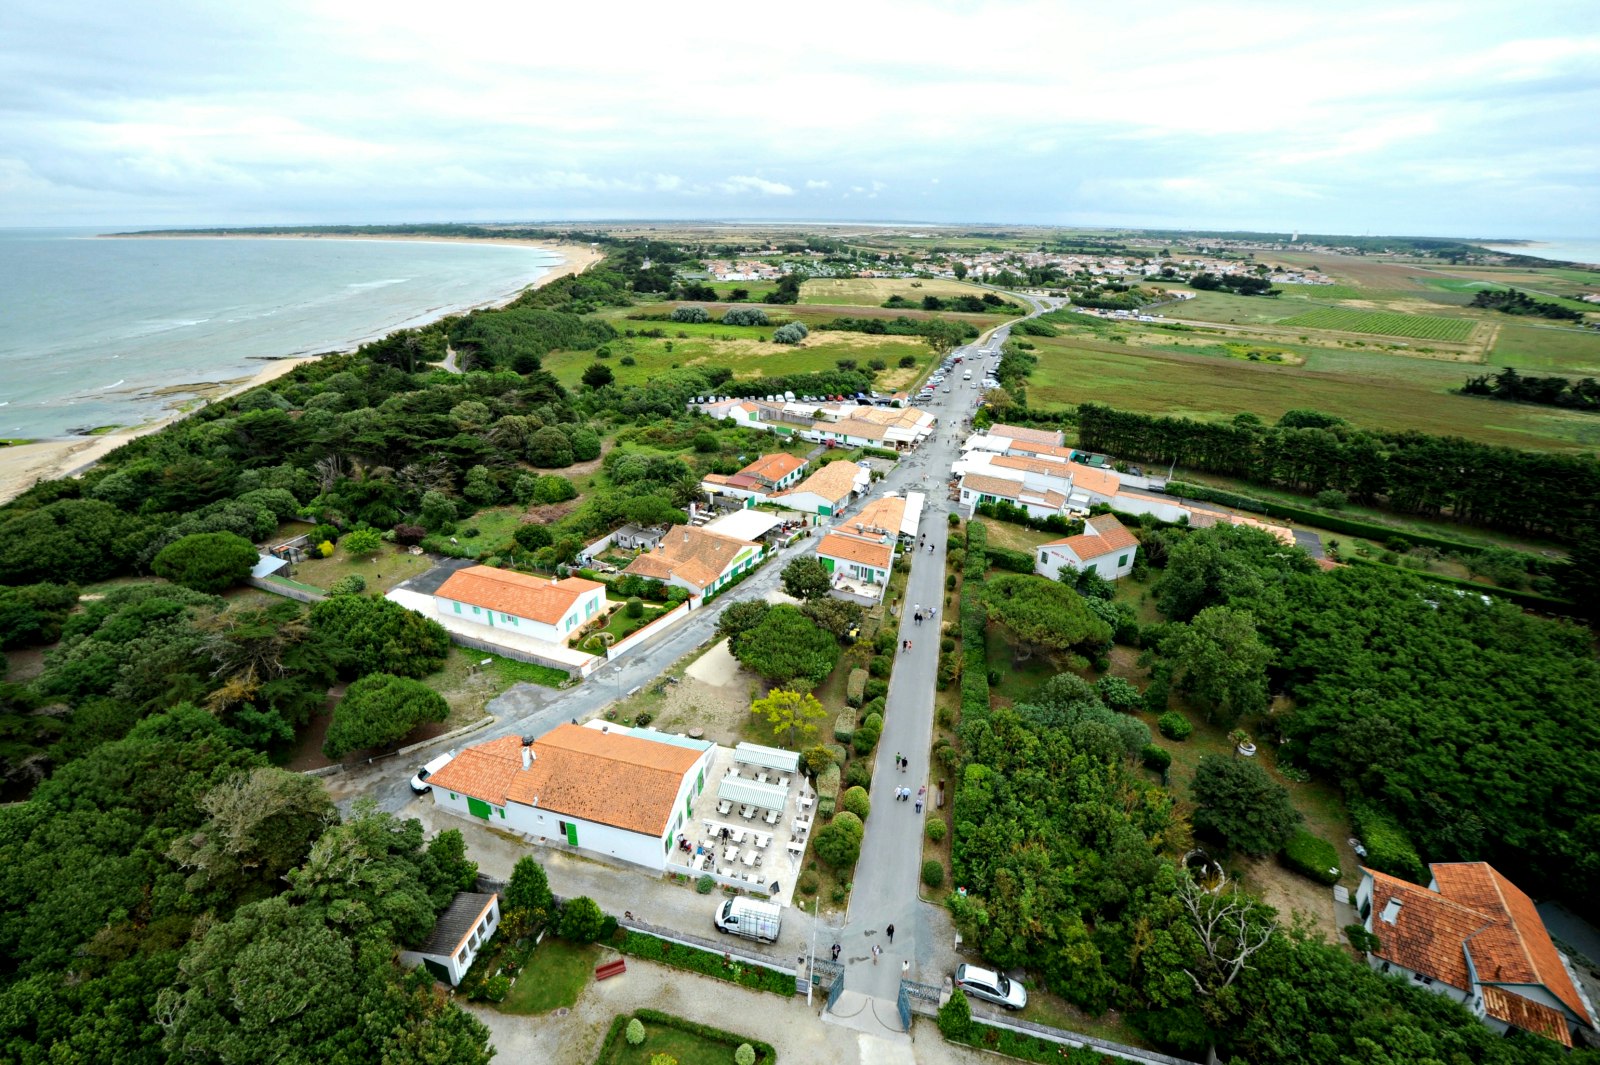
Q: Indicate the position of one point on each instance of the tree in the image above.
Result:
(635, 1031)
(206, 562)
(806, 578)
(581, 920)
(74, 540)
(837, 616)
(1221, 661)
(856, 801)
(907, 361)
(1238, 803)
(370, 634)
(839, 842)
(480, 486)
(378, 710)
(362, 542)
(598, 375)
(741, 617)
(33, 613)
(791, 712)
(955, 1016)
(786, 647)
(959, 268)
(528, 901)
(549, 447)
(259, 825)
(531, 537)
(944, 336)
(1230, 929)
(1042, 615)
(553, 488)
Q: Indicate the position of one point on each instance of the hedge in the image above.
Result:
(827, 790)
(844, 725)
(1026, 1047)
(1007, 559)
(1389, 846)
(1174, 726)
(1527, 600)
(695, 960)
(974, 626)
(880, 453)
(856, 687)
(1311, 856)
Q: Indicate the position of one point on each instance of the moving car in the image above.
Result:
(991, 987)
(419, 783)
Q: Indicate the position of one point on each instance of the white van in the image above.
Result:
(749, 918)
(967, 376)
(419, 783)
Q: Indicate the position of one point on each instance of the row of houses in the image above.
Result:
(777, 479)
(843, 423)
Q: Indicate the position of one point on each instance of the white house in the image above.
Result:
(1473, 936)
(764, 477)
(698, 560)
(623, 793)
(977, 488)
(1104, 546)
(861, 560)
(540, 607)
(457, 936)
(827, 491)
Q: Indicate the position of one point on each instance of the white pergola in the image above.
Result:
(767, 757)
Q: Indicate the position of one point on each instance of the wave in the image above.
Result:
(379, 284)
(107, 388)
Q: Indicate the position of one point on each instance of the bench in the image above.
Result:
(610, 969)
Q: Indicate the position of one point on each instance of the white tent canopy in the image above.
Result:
(913, 515)
(750, 793)
(749, 525)
(767, 757)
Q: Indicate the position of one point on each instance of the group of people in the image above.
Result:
(918, 614)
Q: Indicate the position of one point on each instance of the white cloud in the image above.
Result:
(815, 184)
(746, 183)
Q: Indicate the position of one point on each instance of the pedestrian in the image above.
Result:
(836, 952)
(897, 758)
(890, 932)
(908, 645)
(877, 952)
(905, 967)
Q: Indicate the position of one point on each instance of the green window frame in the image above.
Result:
(457, 606)
(1123, 561)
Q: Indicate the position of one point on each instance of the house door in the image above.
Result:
(477, 808)
(572, 832)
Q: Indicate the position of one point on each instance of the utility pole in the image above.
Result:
(811, 966)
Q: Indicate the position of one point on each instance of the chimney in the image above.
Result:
(527, 758)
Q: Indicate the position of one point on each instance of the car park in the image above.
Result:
(991, 987)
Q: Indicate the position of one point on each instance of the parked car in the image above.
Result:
(749, 918)
(991, 987)
(419, 783)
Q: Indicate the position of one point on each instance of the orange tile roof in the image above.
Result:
(855, 549)
(536, 598)
(994, 486)
(833, 482)
(886, 514)
(698, 556)
(1104, 535)
(774, 468)
(1428, 932)
(856, 427)
(604, 777)
(1030, 436)
(1527, 1014)
(1043, 467)
(1047, 451)
(1112, 531)
(1100, 482)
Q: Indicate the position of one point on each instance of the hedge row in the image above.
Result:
(827, 790)
(1389, 846)
(1311, 856)
(974, 623)
(764, 1051)
(704, 962)
(1527, 600)
(1007, 559)
(1332, 522)
(844, 725)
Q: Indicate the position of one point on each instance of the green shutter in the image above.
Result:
(572, 834)
(1123, 561)
(477, 808)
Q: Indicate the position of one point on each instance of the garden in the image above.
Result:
(649, 1037)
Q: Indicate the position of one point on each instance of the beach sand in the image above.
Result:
(24, 465)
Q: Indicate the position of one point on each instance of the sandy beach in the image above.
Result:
(23, 465)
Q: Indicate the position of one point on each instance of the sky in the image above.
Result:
(1459, 118)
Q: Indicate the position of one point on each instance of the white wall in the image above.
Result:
(578, 613)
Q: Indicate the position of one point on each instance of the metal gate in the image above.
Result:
(909, 990)
(829, 975)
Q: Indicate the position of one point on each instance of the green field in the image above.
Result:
(1547, 349)
(1383, 323)
(1368, 388)
(872, 291)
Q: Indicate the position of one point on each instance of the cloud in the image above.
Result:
(746, 183)
(815, 184)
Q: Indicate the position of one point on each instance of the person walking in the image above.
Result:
(890, 932)
(836, 949)
(905, 967)
(877, 952)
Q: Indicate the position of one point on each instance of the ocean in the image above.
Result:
(1562, 249)
(102, 332)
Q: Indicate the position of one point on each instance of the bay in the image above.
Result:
(104, 332)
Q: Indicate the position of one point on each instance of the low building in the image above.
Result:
(882, 518)
(639, 538)
(1104, 546)
(1047, 437)
(697, 560)
(457, 937)
(762, 478)
(540, 607)
(827, 491)
(1473, 936)
(860, 560)
(977, 489)
(619, 792)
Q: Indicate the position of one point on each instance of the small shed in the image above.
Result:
(633, 537)
(457, 936)
(267, 565)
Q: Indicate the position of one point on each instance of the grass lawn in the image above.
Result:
(872, 291)
(621, 626)
(1016, 537)
(554, 977)
(1547, 349)
(381, 572)
(687, 1048)
(495, 525)
(467, 685)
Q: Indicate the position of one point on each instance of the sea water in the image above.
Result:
(98, 331)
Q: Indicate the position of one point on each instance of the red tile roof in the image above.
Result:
(604, 777)
(1105, 535)
(852, 549)
(774, 468)
(1527, 1014)
(1048, 437)
(696, 555)
(536, 598)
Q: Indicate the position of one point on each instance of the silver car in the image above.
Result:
(991, 987)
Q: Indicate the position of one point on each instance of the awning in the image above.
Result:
(913, 514)
(767, 757)
(751, 793)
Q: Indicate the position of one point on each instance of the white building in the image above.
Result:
(623, 793)
(977, 489)
(458, 936)
(540, 607)
(860, 564)
(828, 491)
(698, 560)
(1104, 546)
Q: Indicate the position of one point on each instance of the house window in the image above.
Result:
(570, 620)
(475, 610)
(457, 606)
(1123, 561)
(1043, 558)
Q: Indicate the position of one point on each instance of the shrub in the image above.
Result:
(705, 885)
(792, 333)
(1174, 726)
(864, 739)
(855, 691)
(933, 871)
(950, 581)
(955, 1017)
(839, 842)
(1389, 847)
(629, 360)
(206, 562)
(877, 689)
(745, 1055)
(857, 775)
(855, 800)
(935, 830)
(349, 584)
(581, 920)
(844, 725)
(635, 1030)
(635, 607)
(881, 665)
(746, 316)
(690, 314)
(1311, 856)
(954, 520)
(1118, 694)
(497, 987)
(808, 883)
(1157, 758)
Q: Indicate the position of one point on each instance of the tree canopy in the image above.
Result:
(1042, 616)
(379, 709)
(786, 648)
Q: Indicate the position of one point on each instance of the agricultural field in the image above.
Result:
(1547, 349)
(1383, 323)
(1368, 388)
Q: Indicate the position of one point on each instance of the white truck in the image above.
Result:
(749, 918)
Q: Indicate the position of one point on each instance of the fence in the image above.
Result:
(504, 651)
(651, 632)
(919, 1004)
(291, 589)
